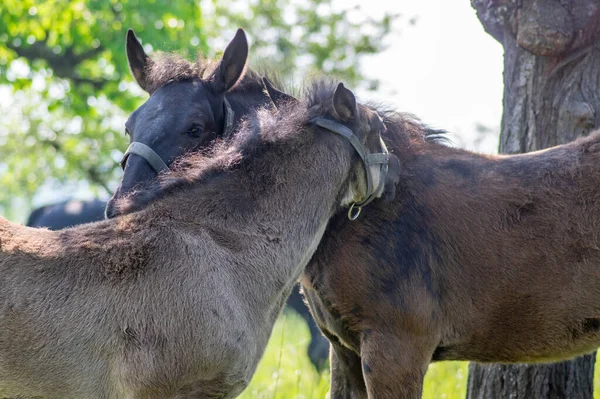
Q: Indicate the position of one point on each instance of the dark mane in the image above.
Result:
(170, 67)
(253, 138)
(410, 125)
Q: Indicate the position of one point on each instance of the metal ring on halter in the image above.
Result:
(354, 212)
(369, 159)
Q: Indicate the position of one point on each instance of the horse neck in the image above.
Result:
(283, 198)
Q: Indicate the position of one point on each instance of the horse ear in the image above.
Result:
(233, 65)
(344, 103)
(138, 60)
(278, 97)
(392, 178)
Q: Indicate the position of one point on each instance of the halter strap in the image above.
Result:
(155, 161)
(147, 153)
(371, 159)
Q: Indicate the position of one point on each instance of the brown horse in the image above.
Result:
(481, 258)
(177, 298)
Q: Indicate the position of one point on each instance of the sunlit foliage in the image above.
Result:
(65, 86)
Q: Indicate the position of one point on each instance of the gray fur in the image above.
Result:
(178, 299)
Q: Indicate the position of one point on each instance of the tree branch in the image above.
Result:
(86, 55)
(97, 84)
(93, 175)
(496, 16)
(63, 65)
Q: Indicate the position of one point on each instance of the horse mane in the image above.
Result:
(171, 67)
(410, 126)
(263, 133)
(254, 137)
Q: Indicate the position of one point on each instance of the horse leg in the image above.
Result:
(393, 366)
(346, 375)
(318, 348)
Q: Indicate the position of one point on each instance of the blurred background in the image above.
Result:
(65, 87)
(65, 92)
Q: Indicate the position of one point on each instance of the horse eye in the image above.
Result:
(127, 131)
(195, 131)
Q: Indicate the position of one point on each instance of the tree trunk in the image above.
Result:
(573, 379)
(551, 96)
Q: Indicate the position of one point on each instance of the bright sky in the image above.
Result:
(445, 69)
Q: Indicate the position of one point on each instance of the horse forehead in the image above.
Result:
(171, 100)
(370, 121)
(171, 109)
(177, 94)
(369, 115)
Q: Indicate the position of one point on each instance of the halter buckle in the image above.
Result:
(354, 212)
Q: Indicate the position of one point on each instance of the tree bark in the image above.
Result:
(572, 379)
(551, 97)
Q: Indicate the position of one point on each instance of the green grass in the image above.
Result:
(286, 373)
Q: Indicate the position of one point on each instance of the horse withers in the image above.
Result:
(177, 297)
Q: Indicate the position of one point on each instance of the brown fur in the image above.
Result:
(481, 258)
(178, 299)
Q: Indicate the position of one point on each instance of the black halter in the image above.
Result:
(369, 159)
(154, 160)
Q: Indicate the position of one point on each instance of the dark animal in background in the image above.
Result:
(177, 298)
(67, 214)
(481, 258)
(318, 347)
(73, 212)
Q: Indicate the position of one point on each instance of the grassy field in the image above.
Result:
(286, 373)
